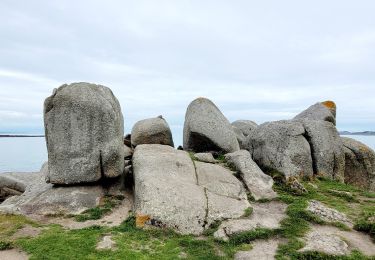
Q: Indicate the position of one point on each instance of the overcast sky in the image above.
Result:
(257, 60)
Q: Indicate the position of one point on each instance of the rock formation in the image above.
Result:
(174, 191)
(84, 132)
(359, 164)
(258, 183)
(209, 182)
(324, 111)
(206, 128)
(281, 145)
(151, 131)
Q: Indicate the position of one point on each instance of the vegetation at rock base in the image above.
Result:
(98, 212)
(55, 242)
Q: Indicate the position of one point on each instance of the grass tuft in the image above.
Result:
(4, 245)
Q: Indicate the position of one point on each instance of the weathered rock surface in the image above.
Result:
(330, 244)
(14, 183)
(331, 240)
(171, 190)
(166, 190)
(84, 133)
(219, 180)
(261, 250)
(359, 164)
(206, 128)
(324, 111)
(281, 145)
(242, 129)
(327, 214)
(41, 198)
(245, 126)
(128, 152)
(151, 131)
(326, 149)
(265, 215)
(225, 194)
(205, 157)
(258, 183)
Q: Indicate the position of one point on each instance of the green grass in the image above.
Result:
(98, 212)
(248, 212)
(132, 243)
(4, 245)
(153, 243)
(248, 236)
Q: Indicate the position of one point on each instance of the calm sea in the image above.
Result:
(27, 154)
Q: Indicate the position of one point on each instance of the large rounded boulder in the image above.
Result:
(84, 132)
(282, 146)
(207, 129)
(359, 164)
(151, 131)
(325, 111)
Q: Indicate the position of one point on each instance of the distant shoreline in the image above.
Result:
(365, 133)
(21, 136)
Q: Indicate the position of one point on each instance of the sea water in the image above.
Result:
(27, 154)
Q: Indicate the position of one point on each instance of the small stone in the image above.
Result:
(106, 243)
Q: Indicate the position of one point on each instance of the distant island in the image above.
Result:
(357, 133)
(10, 135)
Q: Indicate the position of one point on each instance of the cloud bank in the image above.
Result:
(264, 60)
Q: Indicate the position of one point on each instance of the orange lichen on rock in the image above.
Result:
(140, 220)
(329, 104)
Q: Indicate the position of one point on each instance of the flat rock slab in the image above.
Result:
(219, 180)
(13, 254)
(166, 190)
(331, 240)
(265, 215)
(261, 250)
(112, 219)
(41, 198)
(328, 214)
(173, 191)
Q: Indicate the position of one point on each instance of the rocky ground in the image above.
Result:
(279, 190)
(290, 225)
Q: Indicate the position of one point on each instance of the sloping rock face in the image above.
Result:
(166, 190)
(359, 164)
(327, 151)
(206, 128)
(246, 126)
(41, 198)
(324, 111)
(258, 183)
(84, 133)
(281, 145)
(242, 129)
(172, 190)
(151, 131)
